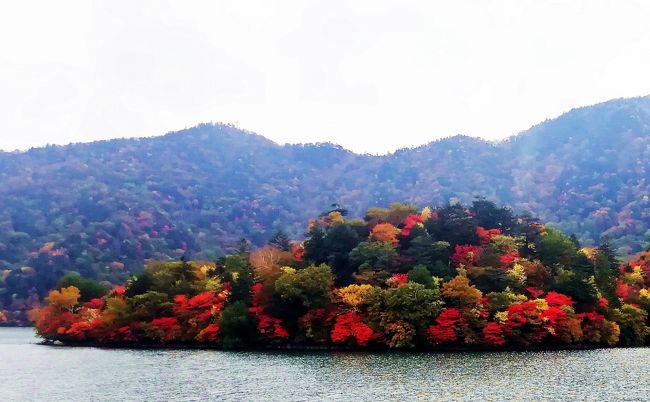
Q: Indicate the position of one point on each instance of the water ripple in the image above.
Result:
(32, 372)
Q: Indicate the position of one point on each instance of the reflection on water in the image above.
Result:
(35, 372)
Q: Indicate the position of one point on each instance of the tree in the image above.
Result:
(582, 265)
(311, 286)
(572, 283)
(354, 295)
(315, 250)
(454, 224)
(426, 251)
(64, 299)
(607, 251)
(237, 327)
(139, 284)
(556, 248)
(411, 303)
(605, 272)
(373, 255)
(489, 216)
(632, 323)
(243, 246)
(488, 279)
(350, 326)
(280, 240)
(149, 305)
(88, 288)
(339, 241)
(384, 232)
(267, 262)
(420, 274)
(238, 272)
(172, 278)
(461, 293)
(394, 215)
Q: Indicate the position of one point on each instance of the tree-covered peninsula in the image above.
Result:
(444, 278)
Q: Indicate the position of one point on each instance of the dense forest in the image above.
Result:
(450, 277)
(101, 210)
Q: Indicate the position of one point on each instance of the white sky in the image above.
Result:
(372, 76)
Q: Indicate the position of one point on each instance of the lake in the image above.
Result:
(33, 372)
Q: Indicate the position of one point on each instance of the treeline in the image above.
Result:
(448, 277)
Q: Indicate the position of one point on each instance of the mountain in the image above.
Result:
(102, 208)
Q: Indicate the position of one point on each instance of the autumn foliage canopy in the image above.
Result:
(449, 277)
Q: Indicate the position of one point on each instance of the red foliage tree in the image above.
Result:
(208, 334)
(493, 334)
(508, 259)
(445, 330)
(622, 290)
(555, 299)
(534, 292)
(398, 280)
(485, 235)
(94, 304)
(168, 328)
(268, 326)
(409, 223)
(351, 326)
(298, 252)
(466, 254)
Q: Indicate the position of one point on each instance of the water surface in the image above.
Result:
(32, 372)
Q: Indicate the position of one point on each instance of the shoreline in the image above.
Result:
(316, 348)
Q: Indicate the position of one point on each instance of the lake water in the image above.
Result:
(32, 372)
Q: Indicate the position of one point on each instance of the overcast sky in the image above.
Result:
(372, 76)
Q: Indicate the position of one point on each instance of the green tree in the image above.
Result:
(420, 274)
(632, 321)
(605, 273)
(138, 284)
(172, 278)
(555, 248)
(411, 303)
(280, 240)
(149, 305)
(89, 288)
(339, 241)
(311, 286)
(489, 216)
(427, 251)
(372, 255)
(237, 327)
(488, 279)
(572, 283)
(454, 224)
(237, 271)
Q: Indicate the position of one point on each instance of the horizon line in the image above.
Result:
(236, 126)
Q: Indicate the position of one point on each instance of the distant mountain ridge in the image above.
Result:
(196, 192)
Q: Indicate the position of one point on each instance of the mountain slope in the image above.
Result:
(196, 192)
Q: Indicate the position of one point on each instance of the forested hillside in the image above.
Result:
(102, 209)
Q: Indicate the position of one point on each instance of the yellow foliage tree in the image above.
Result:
(461, 292)
(335, 218)
(516, 276)
(425, 214)
(354, 295)
(385, 232)
(65, 299)
(612, 333)
(395, 214)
